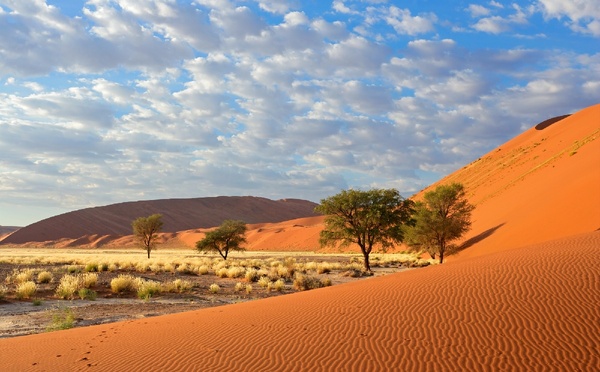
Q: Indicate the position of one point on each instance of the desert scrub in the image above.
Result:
(61, 318)
(123, 283)
(147, 289)
(222, 272)
(323, 268)
(202, 270)
(45, 277)
(178, 286)
(251, 275)
(72, 269)
(67, 287)
(113, 267)
(236, 272)
(214, 288)
(264, 281)
(87, 294)
(88, 280)
(278, 285)
(25, 290)
(307, 282)
(239, 286)
(91, 267)
(3, 291)
(248, 288)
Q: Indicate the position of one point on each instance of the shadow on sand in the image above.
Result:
(476, 239)
(546, 123)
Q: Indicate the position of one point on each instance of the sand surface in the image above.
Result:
(533, 309)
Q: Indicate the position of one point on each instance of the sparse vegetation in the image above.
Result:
(146, 229)
(214, 288)
(365, 218)
(45, 277)
(227, 237)
(443, 216)
(61, 318)
(26, 290)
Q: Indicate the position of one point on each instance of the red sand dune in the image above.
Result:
(529, 309)
(84, 226)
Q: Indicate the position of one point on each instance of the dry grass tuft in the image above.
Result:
(26, 290)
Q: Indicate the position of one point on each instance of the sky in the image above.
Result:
(107, 101)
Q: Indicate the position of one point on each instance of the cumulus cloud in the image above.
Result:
(583, 15)
(270, 98)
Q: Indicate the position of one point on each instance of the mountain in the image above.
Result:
(178, 215)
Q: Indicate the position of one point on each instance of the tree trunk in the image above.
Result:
(148, 249)
(367, 265)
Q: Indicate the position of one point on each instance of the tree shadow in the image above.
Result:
(476, 239)
(546, 123)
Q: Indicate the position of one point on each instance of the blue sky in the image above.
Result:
(110, 101)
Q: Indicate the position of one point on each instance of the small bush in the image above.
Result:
(248, 288)
(45, 277)
(87, 294)
(26, 290)
(103, 267)
(24, 276)
(264, 282)
(178, 285)
(306, 282)
(68, 286)
(72, 269)
(235, 272)
(91, 267)
(62, 318)
(222, 272)
(147, 289)
(3, 291)
(323, 268)
(278, 285)
(239, 286)
(89, 280)
(251, 275)
(214, 288)
(113, 267)
(203, 270)
(36, 302)
(123, 283)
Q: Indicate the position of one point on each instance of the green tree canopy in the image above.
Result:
(442, 217)
(227, 237)
(365, 218)
(145, 229)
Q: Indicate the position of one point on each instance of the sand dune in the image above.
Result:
(533, 309)
(82, 227)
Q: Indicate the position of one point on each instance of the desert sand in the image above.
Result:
(533, 309)
(524, 295)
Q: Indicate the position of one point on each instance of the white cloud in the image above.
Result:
(404, 23)
(583, 15)
(477, 10)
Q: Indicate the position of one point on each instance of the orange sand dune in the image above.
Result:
(530, 309)
(542, 185)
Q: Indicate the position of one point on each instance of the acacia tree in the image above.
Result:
(145, 229)
(227, 237)
(366, 218)
(442, 217)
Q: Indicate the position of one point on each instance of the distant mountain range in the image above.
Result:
(8, 229)
(178, 215)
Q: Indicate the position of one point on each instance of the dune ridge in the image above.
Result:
(534, 309)
(82, 227)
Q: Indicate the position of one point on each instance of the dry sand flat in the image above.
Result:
(529, 309)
